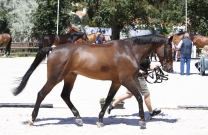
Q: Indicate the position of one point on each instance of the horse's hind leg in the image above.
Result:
(113, 89)
(41, 95)
(68, 85)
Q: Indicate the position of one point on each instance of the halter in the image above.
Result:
(157, 75)
(165, 53)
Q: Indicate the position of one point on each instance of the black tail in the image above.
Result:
(41, 40)
(41, 55)
(8, 47)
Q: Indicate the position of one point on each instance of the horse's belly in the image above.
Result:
(95, 74)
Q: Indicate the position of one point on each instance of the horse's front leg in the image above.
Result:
(131, 86)
(113, 89)
(66, 92)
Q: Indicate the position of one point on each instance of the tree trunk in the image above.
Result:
(115, 32)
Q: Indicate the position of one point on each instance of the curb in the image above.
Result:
(203, 107)
(25, 105)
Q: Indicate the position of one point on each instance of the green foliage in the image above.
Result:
(4, 24)
(118, 14)
(197, 12)
(45, 17)
(102, 100)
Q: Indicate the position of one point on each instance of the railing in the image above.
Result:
(24, 48)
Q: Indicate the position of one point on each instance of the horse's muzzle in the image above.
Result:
(171, 70)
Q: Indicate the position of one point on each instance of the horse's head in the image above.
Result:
(177, 38)
(164, 53)
(71, 29)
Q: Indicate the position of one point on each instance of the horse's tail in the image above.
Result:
(8, 47)
(41, 40)
(41, 55)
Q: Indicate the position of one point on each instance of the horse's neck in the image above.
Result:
(142, 51)
(75, 38)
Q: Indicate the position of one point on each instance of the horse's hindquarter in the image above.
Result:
(200, 41)
(4, 38)
(103, 62)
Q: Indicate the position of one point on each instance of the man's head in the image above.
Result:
(205, 48)
(186, 35)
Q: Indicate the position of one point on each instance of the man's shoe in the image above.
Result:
(110, 108)
(155, 112)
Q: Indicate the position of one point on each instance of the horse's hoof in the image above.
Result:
(142, 123)
(79, 122)
(100, 124)
(30, 123)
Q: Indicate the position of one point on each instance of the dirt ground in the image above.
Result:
(169, 95)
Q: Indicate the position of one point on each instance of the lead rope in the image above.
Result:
(157, 75)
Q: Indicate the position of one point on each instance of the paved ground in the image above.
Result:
(177, 91)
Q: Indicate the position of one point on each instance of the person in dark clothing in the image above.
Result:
(186, 48)
(99, 40)
(142, 87)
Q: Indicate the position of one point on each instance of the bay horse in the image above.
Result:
(198, 40)
(6, 40)
(117, 60)
(92, 38)
(52, 39)
(70, 38)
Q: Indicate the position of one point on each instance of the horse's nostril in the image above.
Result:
(171, 70)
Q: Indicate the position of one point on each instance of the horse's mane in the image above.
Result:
(147, 39)
(180, 33)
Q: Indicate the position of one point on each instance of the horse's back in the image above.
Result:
(200, 41)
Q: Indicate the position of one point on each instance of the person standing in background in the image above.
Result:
(185, 47)
(99, 39)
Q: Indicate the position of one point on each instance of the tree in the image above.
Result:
(118, 14)
(169, 13)
(18, 14)
(45, 17)
(4, 24)
(198, 15)
(135, 14)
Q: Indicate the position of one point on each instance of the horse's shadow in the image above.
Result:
(110, 120)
